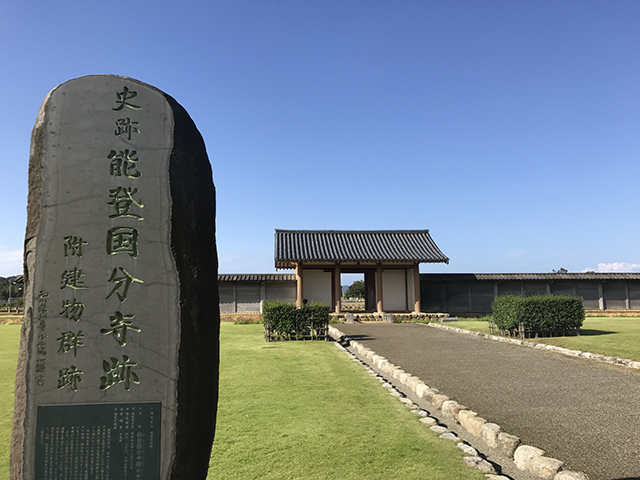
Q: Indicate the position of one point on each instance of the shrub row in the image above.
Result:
(541, 314)
(283, 321)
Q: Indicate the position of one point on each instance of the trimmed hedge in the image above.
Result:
(538, 315)
(283, 321)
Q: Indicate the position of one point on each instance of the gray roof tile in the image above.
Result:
(256, 277)
(390, 246)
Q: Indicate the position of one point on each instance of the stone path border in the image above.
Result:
(543, 346)
(526, 458)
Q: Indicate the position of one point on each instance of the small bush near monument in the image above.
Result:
(283, 321)
(542, 315)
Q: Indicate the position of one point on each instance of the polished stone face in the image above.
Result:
(103, 297)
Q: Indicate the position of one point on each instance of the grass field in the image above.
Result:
(9, 340)
(294, 410)
(616, 336)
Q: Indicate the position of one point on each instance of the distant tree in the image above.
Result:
(355, 290)
(4, 288)
(561, 270)
(6, 283)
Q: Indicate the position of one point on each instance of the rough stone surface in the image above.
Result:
(428, 420)
(449, 436)
(479, 463)
(429, 393)
(545, 467)
(420, 389)
(525, 455)
(468, 449)
(413, 382)
(490, 432)
(508, 443)
(438, 429)
(420, 412)
(387, 367)
(438, 399)
(450, 410)
(471, 422)
(120, 194)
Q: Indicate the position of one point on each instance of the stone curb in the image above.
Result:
(624, 362)
(525, 457)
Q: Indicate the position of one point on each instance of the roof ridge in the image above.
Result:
(424, 230)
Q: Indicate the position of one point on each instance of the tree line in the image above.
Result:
(8, 289)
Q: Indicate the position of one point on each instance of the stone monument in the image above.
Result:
(118, 365)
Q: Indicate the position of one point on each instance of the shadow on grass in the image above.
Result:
(587, 332)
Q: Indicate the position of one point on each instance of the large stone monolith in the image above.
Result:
(118, 365)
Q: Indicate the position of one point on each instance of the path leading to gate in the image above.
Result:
(583, 412)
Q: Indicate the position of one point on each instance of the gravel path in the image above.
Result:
(582, 412)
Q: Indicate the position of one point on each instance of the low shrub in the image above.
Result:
(505, 312)
(283, 321)
(538, 315)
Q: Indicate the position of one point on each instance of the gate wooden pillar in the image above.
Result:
(416, 288)
(379, 288)
(337, 289)
(298, 285)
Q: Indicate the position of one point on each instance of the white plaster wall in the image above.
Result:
(316, 286)
(394, 287)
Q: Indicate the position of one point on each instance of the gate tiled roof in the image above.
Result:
(256, 277)
(369, 246)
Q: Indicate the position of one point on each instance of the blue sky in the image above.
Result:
(510, 129)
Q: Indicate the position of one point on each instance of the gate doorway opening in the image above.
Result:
(358, 291)
(353, 292)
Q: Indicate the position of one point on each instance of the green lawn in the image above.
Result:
(294, 410)
(616, 336)
(9, 340)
